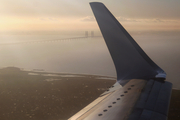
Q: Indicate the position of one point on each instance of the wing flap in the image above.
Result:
(137, 100)
(163, 100)
(154, 102)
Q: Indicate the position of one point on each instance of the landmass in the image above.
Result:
(38, 95)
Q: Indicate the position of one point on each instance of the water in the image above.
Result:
(164, 51)
(84, 56)
(69, 56)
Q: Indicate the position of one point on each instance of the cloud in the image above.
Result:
(155, 20)
(123, 19)
(88, 19)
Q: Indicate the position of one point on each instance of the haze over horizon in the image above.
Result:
(76, 15)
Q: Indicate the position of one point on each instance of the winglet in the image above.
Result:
(130, 61)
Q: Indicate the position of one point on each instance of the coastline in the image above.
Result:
(34, 95)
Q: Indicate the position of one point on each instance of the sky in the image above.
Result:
(54, 15)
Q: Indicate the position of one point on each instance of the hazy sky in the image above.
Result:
(77, 14)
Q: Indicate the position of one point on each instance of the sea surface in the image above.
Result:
(77, 54)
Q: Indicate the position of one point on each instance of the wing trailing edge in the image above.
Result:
(130, 61)
(137, 100)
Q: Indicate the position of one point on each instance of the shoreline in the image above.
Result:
(55, 95)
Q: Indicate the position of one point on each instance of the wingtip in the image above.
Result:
(96, 3)
(130, 61)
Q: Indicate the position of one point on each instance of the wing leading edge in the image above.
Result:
(140, 92)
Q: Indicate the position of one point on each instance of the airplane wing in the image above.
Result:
(141, 92)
